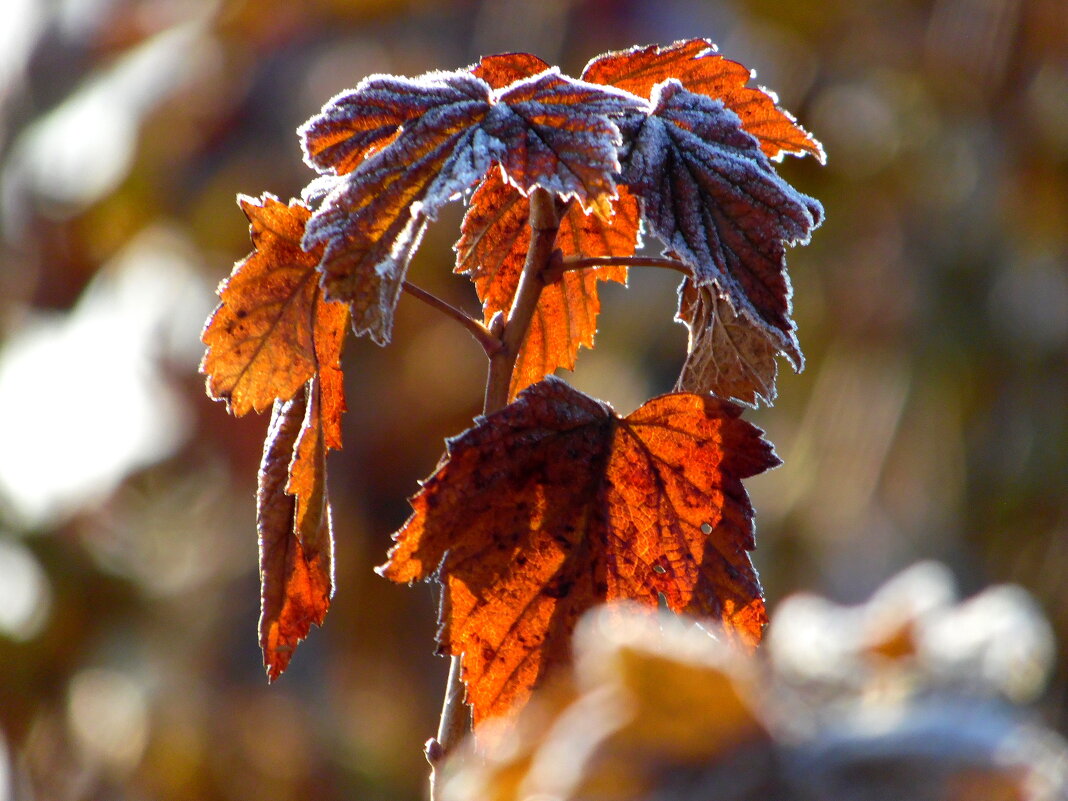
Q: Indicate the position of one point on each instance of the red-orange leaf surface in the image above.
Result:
(293, 524)
(697, 66)
(273, 328)
(545, 131)
(712, 196)
(502, 69)
(493, 244)
(555, 504)
(728, 355)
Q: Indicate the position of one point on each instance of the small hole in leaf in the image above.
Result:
(706, 529)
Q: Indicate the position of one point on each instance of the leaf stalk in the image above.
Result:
(576, 263)
(486, 338)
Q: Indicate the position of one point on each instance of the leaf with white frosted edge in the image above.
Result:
(545, 131)
(711, 195)
(697, 65)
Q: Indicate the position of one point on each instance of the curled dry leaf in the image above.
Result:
(728, 355)
(555, 504)
(697, 66)
(545, 131)
(492, 248)
(294, 528)
(713, 197)
(273, 327)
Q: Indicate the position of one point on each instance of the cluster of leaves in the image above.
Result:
(553, 503)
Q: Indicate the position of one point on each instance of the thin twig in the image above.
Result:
(490, 343)
(574, 263)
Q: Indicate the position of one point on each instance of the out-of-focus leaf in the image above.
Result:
(656, 709)
(647, 700)
(556, 504)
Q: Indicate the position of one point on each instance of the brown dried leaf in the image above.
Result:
(294, 530)
(492, 248)
(555, 504)
(728, 355)
(697, 66)
(264, 336)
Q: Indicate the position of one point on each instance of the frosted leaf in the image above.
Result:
(355, 123)
(314, 192)
(557, 134)
(713, 197)
(697, 65)
(437, 136)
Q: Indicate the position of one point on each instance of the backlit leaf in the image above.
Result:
(556, 504)
(294, 530)
(697, 66)
(264, 336)
(727, 355)
(713, 197)
(503, 69)
(545, 131)
(492, 248)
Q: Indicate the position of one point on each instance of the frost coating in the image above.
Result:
(401, 148)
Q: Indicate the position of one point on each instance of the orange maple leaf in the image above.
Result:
(502, 69)
(697, 66)
(294, 528)
(555, 504)
(272, 329)
(494, 238)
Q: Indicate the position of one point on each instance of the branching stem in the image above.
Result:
(489, 342)
(544, 223)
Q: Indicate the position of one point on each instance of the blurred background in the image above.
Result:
(931, 420)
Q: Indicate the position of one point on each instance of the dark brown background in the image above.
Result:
(931, 420)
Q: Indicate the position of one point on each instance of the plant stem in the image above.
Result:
(544, 223)
(489, 342)
(574, 263)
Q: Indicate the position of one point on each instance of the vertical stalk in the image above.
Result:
(544, 223)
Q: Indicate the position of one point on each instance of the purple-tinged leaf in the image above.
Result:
(715, 200)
